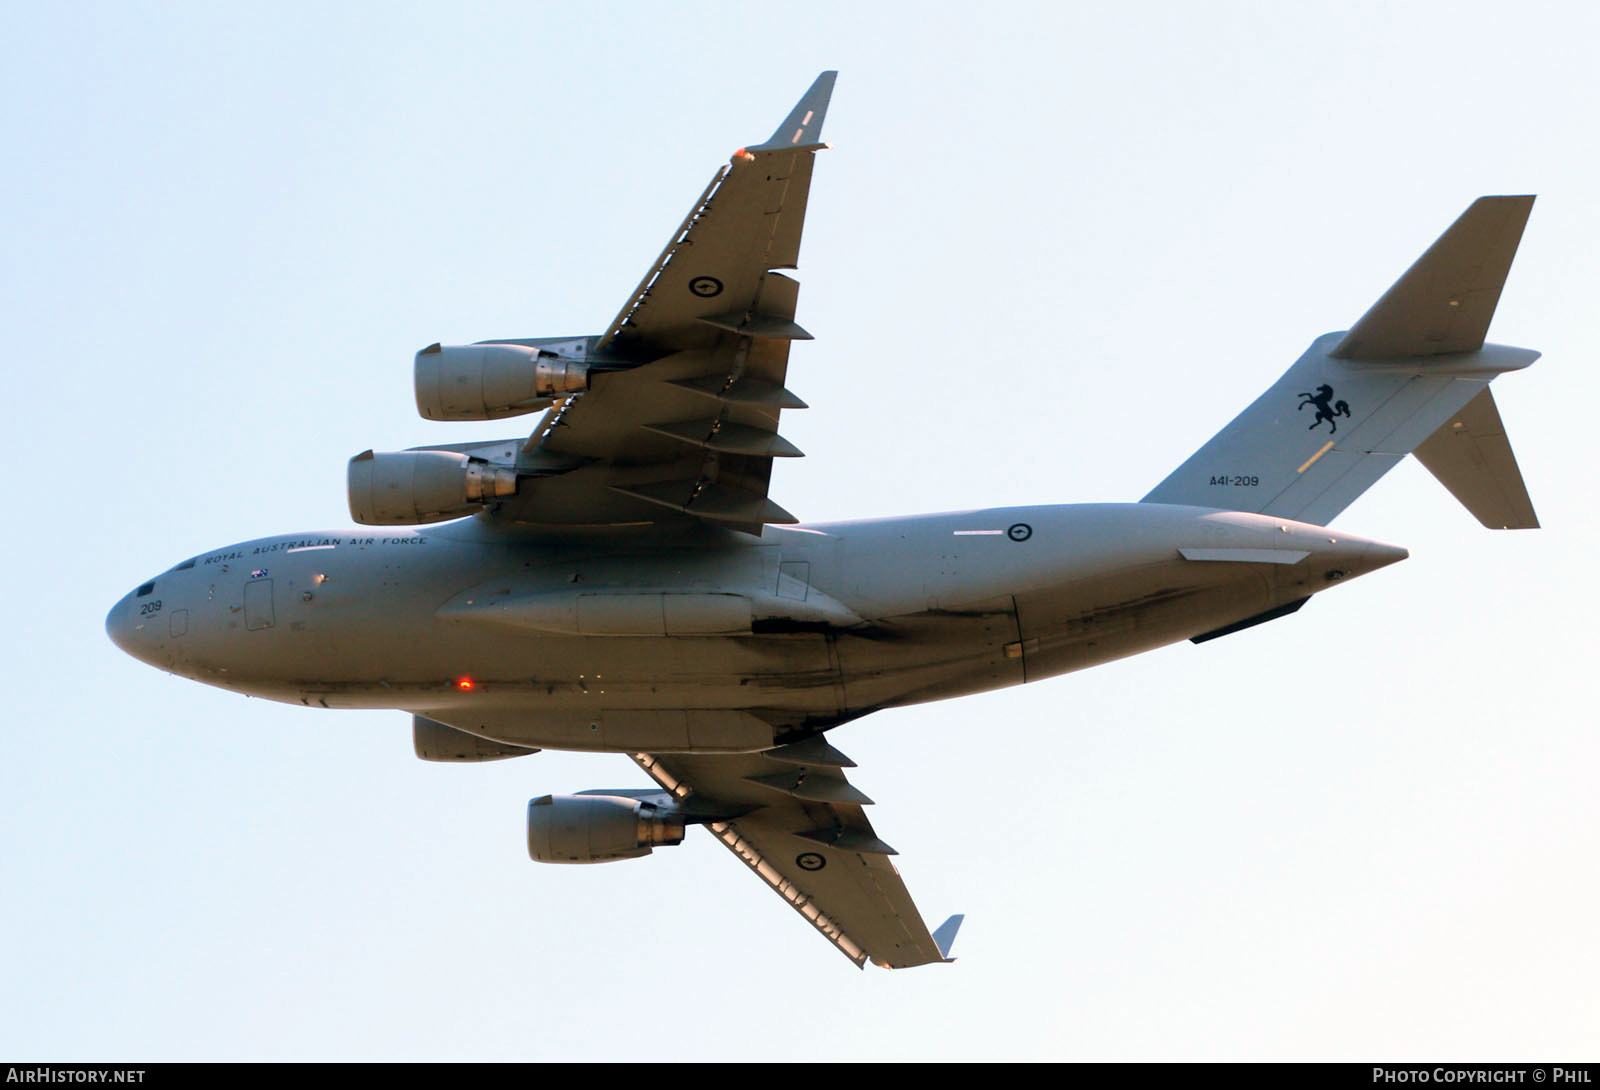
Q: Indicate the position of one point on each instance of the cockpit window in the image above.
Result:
(187, 564)
(146, 589)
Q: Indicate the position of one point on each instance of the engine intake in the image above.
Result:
(492, 381)
(405, 488)
(597, 828)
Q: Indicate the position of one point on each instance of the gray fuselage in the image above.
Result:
(585, 640)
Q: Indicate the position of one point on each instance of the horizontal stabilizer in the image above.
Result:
(1444, 302)
(1471, 456)
(1328, 429)
(1410, 375)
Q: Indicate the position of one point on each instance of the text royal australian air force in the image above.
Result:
(303, 544)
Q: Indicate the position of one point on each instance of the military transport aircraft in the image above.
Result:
(620, 581)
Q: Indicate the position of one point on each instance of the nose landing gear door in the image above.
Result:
(258, 604)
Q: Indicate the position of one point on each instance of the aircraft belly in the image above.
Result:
(662, 694)
(621, 730)
(1136, 609)
(632, 669)
(931, 655)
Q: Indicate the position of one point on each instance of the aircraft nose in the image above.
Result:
(128, 629)
(120, 625)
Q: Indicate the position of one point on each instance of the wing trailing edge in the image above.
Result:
(813, 848)
(678, 422)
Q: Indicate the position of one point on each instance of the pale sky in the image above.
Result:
(1053, 249)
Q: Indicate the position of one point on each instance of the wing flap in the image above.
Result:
(710, 319)
(820, 855)
(752, 856)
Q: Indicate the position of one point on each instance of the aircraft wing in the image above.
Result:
(681, 413)
(798, 823)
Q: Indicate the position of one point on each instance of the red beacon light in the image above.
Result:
(465, 684)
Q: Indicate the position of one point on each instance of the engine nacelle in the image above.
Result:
(597, 828)
(405, 488)
(492, 381)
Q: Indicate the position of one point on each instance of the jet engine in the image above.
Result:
(597, 828)
(404, 488)
(492, 381)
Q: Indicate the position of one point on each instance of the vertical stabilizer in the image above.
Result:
(1411, 375)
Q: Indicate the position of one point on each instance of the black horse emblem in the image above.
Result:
(1327, 408)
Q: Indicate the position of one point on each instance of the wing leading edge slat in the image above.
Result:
(710, 316)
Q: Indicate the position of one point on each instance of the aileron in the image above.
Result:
(710, 319)
(803, 831)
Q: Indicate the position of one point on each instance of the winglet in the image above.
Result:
(803, 126)
(945, 936)
(1444, 302)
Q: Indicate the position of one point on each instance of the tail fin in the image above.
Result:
(1411, 375)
